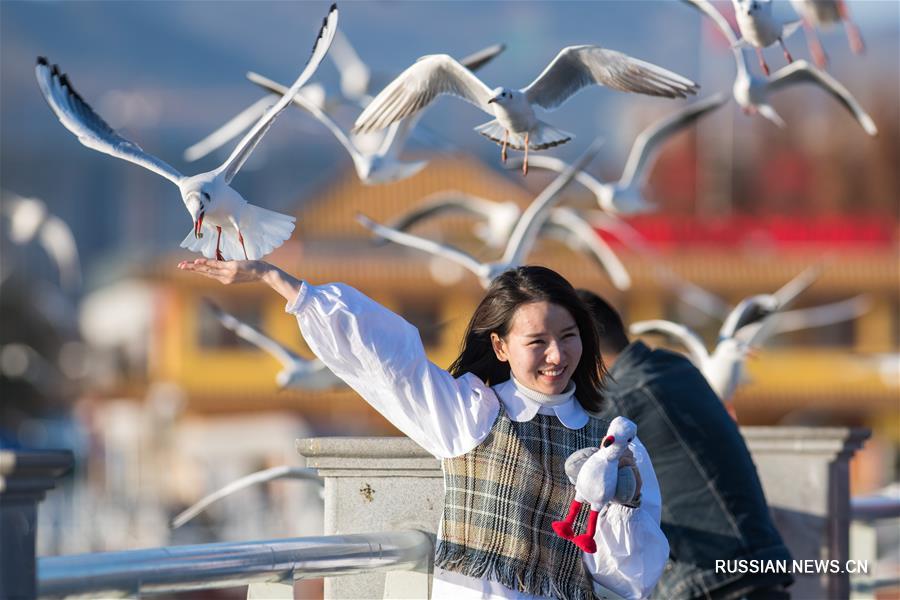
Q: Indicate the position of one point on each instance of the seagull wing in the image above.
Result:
(355, 74)
(414, 241)
(318, 113)
(230, 130)
(283, 472)
(645, 147)
(799, 284)
(250, 334)
(801, 71)
(580, 233)
(747, 312)
(444, 202)
(77, 116)
(576, 67)
(57, 239)
(478, 59)
(576, 460)
(706, 7)
(415, 88)
(245, 147)
(820, 316)
(529, 224)
(697, 351)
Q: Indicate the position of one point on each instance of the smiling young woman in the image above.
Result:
(514, 405)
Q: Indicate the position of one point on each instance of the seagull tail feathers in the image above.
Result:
(263, 230)
(542, 137)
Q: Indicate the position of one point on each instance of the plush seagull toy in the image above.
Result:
(595, 473)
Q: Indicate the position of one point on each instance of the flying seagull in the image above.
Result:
(625, 196)
(760, 29)
(752, 92)
(29, 219)
(520, 241)
(213, 204)
(515, 124)
(383, 165)
(298, 373)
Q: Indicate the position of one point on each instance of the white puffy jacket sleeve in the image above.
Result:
(381, 357)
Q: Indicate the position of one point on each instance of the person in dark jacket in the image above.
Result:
(713, 503)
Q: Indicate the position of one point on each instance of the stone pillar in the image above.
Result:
(805, 475)
(388, 483)
(377, 484)
(25, 476)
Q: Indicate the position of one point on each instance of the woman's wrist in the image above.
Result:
(285, 284)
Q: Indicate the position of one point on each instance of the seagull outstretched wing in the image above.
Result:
(577, 67)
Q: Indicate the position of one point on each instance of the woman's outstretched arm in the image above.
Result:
(379, 355)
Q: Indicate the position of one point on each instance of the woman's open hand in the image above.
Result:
(227, 271)
(245, 271)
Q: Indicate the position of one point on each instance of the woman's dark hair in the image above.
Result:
(494, 314)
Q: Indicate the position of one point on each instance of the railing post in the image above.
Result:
(371, 485)
(805, 475)
(25, 476)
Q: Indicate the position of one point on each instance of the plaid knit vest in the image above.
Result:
(500, 501)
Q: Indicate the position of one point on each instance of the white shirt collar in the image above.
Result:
(522, 404)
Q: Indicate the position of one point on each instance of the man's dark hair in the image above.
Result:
(610, 329)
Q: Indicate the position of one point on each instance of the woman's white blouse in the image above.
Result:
(381, 357)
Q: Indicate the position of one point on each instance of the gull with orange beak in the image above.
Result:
(213, 204)
(515, 124)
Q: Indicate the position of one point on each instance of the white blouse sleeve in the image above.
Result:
(381, 357)
(631, 548)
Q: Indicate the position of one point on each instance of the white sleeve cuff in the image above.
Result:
(296, 305)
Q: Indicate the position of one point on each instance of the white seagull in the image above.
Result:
(383, 165)
(625, 196)
(521, 239)
(516, 124)
(208, 197)
(30, 219)
(752, 92)
(298, 373)
(499, 219)
(744, 328)
(825, 13)
(760, 29)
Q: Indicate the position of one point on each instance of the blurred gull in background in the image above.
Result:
(825, 13)
(752, 93)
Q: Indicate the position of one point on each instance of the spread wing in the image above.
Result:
(576, 67)
(77, 116)
(416, 87)
(245, 147)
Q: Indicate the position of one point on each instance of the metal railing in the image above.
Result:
(865, 511)
(208, 566)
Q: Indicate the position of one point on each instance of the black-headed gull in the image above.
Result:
(298, 373)
(384, 164)
(521, 240)
(595, 472)
(499, 219)
(515, 124)
(825, 13)
(213, 204)
(752, 92)
(29, 219)
(625, 196)
(264, 476)
(760, 29)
